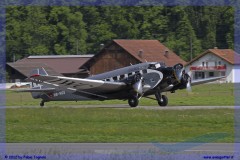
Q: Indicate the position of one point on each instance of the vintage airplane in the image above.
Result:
(128, 83)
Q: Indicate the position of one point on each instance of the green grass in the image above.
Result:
(207, 94)
(115, 125)
(57, 124)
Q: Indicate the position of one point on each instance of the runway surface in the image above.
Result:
(113, 148)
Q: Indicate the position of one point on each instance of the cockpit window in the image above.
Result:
(154, 66)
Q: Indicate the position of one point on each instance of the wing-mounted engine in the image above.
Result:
(137, 83)
(181, 79)
(144, 82)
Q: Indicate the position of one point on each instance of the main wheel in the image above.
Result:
(164, 101)
(133, 101)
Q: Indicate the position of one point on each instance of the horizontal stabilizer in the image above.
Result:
(38, 72)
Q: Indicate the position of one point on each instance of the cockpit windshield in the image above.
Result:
(154, 65)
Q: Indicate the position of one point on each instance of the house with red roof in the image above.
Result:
(122, 53)
(215, 62)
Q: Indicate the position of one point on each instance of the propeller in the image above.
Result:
(138, 85)
(188, 87)
(182, 77)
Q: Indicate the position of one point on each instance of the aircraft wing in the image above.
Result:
(206, 80)
(34, 90)
(77, 84)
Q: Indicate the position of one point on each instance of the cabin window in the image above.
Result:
(108, 79)
(122, 77)
(115, 78)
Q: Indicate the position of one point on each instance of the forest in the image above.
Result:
(54, 30)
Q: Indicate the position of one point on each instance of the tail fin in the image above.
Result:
(38, 72)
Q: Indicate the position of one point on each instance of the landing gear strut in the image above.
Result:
(42, 103)
(133, 101)
(162, 99)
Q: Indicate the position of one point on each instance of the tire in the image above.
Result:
(164, 101)
(42, 104)
(133, 102)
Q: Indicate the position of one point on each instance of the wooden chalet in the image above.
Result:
(122, 53)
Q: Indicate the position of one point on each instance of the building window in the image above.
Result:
(223, 73)
(203, 64)
(199, 75)
(211, 74)
(207, 64)
(219, 63)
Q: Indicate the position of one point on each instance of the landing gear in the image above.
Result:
(133, 101)
(42, 103)
(162, 99)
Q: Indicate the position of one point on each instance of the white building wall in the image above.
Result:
(236, 73)
(212, 60)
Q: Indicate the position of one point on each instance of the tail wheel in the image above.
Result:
(133, 101)
(164, 101)
(42, 103)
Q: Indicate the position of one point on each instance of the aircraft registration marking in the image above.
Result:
(56, 94)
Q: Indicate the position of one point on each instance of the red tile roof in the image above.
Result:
(61, 64)
(228, 55)
(149, 50)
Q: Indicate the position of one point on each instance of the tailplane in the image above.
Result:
(38, 72)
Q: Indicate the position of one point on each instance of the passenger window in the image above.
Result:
(122, 77)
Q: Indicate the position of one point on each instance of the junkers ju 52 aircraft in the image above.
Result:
(128, 83)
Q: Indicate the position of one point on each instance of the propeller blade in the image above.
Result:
(138, 87)
(189, 88)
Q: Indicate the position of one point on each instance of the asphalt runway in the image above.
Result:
(120, 148)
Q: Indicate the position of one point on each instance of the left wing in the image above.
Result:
(35, 90)
(77, 84)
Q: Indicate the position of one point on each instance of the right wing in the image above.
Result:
(206, 80)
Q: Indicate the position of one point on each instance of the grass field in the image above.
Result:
(57, 124)
(207, 94)
(115, 125)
